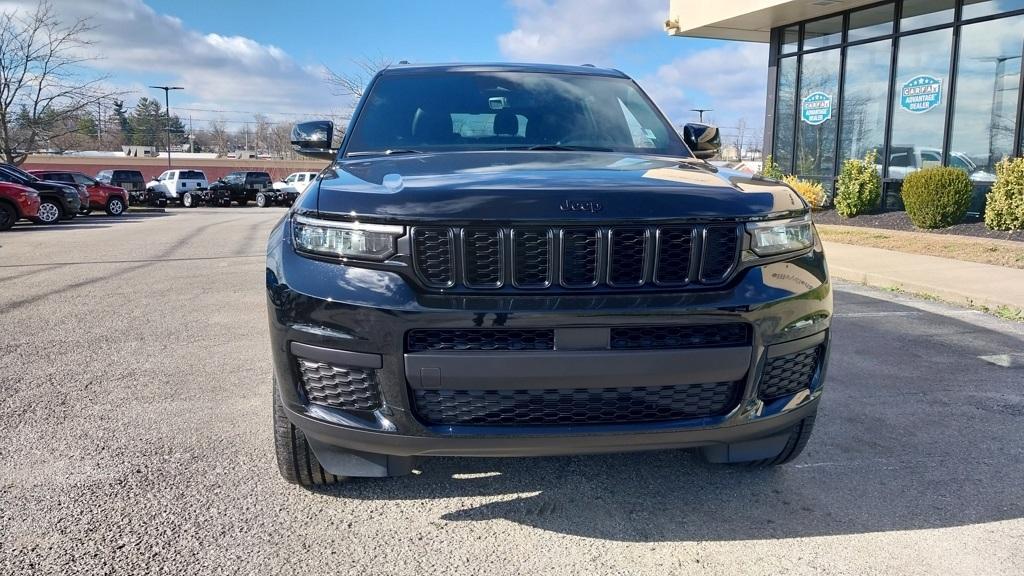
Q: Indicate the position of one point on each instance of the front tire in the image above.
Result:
(261, 200)
(50, 212)
(295, 459)
(8, 216)
(115, 207)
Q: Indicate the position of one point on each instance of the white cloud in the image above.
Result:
(731, 79)
(577, 31)
(219, 72)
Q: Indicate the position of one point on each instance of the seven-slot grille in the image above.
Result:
(575, 257)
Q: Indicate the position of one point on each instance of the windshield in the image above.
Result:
(456, 111)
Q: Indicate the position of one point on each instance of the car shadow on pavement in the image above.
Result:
(87, 222)
(915, 432)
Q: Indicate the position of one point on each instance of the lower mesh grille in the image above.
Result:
(483, 339)
(575, 406)
(696, 336)
(338, 387)
(789, 374)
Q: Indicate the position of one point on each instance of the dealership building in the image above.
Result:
(922, 82)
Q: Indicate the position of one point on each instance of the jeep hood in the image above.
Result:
(460, 187)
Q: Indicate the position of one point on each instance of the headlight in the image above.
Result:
(345, 239)
(780, 236)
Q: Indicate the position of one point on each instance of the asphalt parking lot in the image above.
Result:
(135, 437)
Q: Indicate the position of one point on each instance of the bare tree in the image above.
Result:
(42, 84)
(219, 135)
(353, 83)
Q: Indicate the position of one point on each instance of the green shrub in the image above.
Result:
(811, 191)
(936, 197)
(859, 187)
(1004, 207)
(769, 169)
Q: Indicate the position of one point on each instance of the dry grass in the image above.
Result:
(997, 252)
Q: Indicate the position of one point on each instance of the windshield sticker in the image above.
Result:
(921, 93)
(816, 108)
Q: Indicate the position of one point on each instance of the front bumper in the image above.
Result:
(366, 314)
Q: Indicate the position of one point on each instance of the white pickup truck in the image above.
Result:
(174, 183)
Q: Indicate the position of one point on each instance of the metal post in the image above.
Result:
(167, 111)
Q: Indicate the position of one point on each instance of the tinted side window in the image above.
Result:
(192, 175)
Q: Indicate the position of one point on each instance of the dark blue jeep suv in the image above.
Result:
(524, 260)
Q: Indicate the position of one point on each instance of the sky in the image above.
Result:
(236, 58)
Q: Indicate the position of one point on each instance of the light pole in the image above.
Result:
(167, 109)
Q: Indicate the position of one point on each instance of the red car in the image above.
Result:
(16, 201)
(112, 199)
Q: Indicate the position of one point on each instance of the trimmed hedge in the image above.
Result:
(1004, 206)
(859, 187)
(936, 197)
(812, 192)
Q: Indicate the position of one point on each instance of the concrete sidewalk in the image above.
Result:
(955, 281)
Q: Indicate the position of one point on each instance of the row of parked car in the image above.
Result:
(49, 196)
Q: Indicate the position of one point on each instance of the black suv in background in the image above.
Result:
(244, 186)
(57, 201)
(135, 184)
(524, 260)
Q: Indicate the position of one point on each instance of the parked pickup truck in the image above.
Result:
(244, 186)
(524, 260)
(175, 183)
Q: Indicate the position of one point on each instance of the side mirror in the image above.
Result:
(314, 139)
(702, 139)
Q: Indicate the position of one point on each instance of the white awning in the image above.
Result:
(750, 20)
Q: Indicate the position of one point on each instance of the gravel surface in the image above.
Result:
(135, 438)
(900, 221)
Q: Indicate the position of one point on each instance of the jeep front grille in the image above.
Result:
(680, 336)
(576, 258)
(479, 339)
(575, 405)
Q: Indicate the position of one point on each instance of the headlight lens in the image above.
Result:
(781, 236)
(355, 240)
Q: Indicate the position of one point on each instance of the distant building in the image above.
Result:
(922, 82)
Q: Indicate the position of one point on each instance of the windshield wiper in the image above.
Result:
(388, 152)
(563, 147)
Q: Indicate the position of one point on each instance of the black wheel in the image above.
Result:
(50, 212)
(8, 216)
(798, 437)
(243, 201)
(115, 206)
(261, 200)
(295, 460)
(188, 201)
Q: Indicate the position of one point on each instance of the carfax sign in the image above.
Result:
(816, 108)
(921, 94)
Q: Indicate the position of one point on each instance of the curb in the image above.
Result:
(146, 210)
(943, 293)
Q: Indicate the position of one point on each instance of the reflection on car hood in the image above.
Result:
(533, 185)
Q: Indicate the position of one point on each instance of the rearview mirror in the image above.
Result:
(702, 139)
(314, 139)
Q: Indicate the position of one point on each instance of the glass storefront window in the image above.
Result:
(785, 104)
(790, 39)
(821, 33)
(919, 110)
(816, 118)
(987, 88)
(870, 22)
(978, 8)
(865, 99)
(923, 13)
